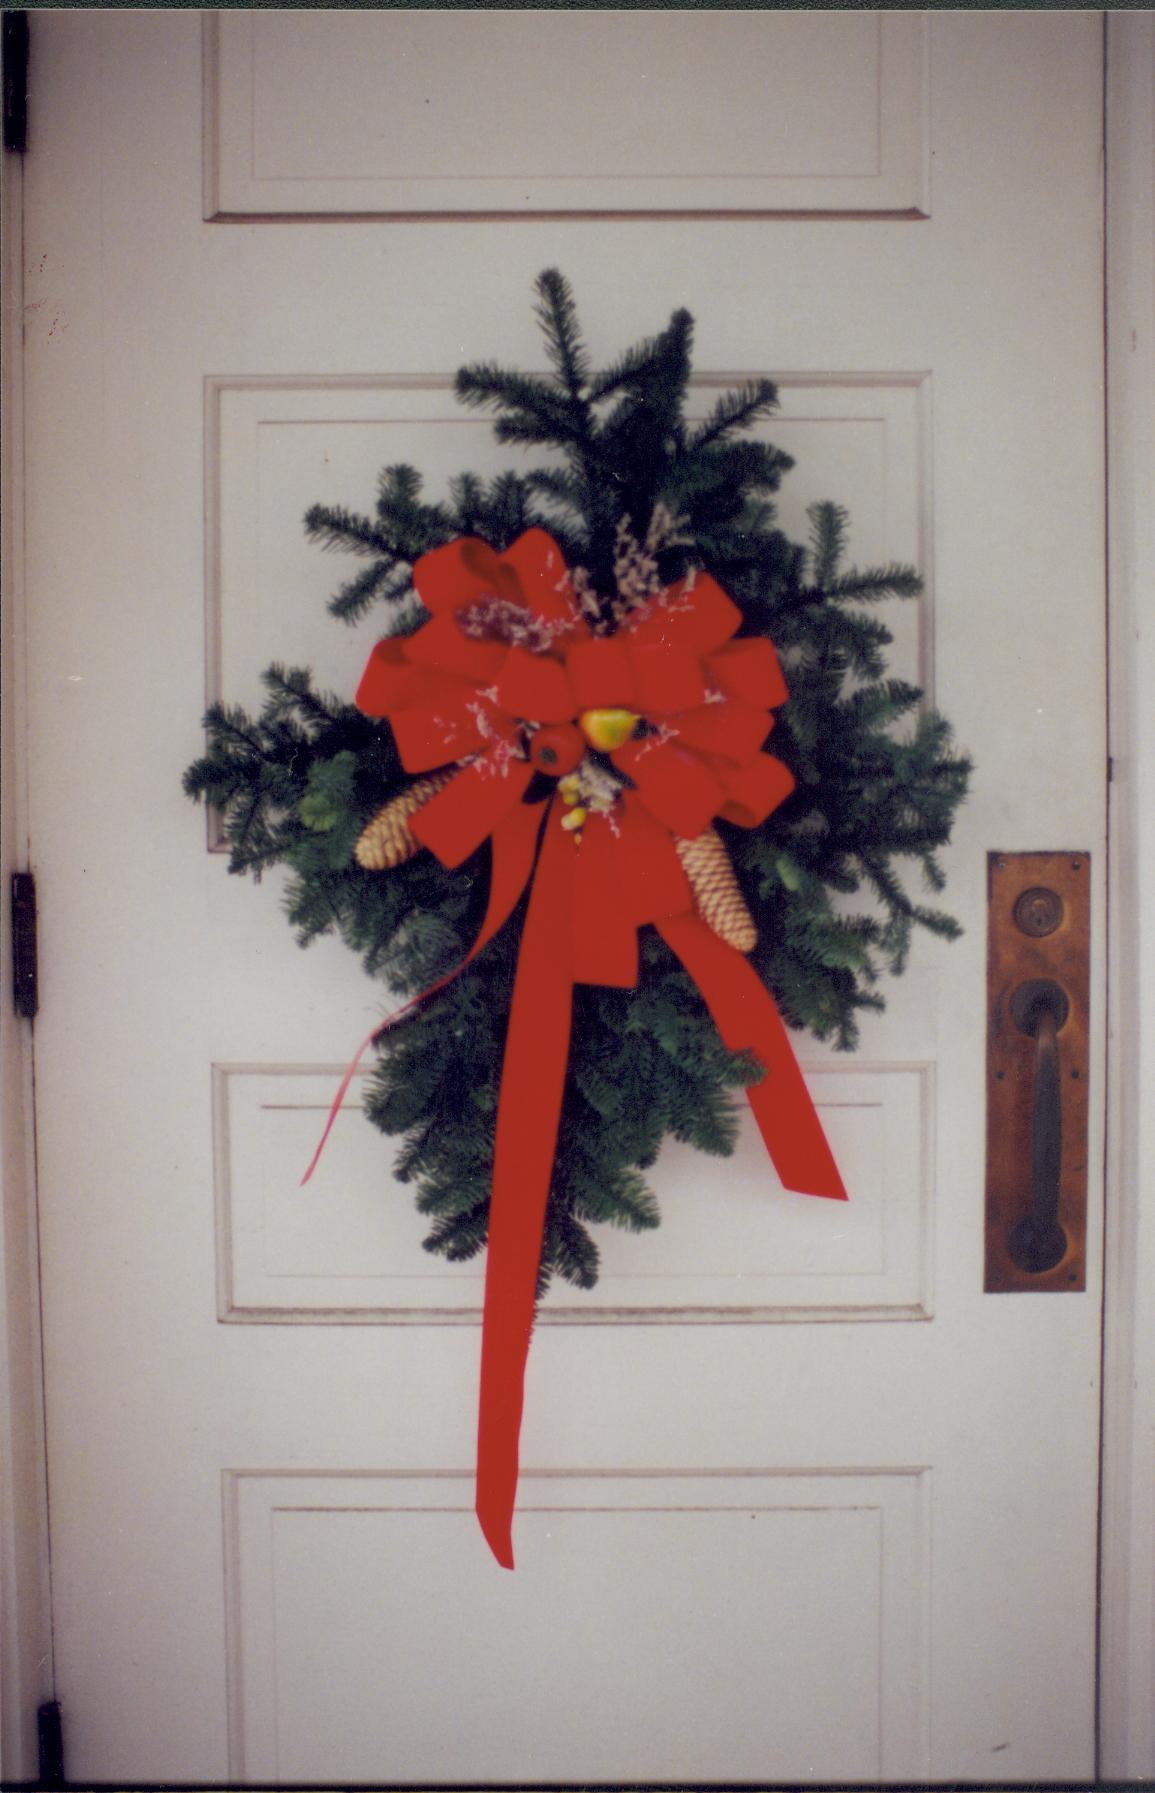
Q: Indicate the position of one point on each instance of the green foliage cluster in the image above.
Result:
(296, 784)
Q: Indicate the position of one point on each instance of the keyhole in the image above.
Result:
(1038, 911)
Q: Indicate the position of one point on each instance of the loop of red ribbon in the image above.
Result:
(453, 692)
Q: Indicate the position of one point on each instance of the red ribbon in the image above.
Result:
(451, 692)
(529, 1110)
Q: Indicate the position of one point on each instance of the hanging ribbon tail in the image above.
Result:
(514, 846)
(342, 1091)
(529, 1112)
(748, 1020)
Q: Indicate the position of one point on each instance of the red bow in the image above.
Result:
(496, 682)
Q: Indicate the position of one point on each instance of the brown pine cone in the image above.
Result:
(717, 897)
(387, 840)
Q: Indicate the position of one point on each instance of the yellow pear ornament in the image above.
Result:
(607, 729)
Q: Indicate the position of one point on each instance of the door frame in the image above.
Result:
(1126, 1721)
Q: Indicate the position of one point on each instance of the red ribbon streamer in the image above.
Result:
(707, 699)
(529, 1111)
(748, 1021)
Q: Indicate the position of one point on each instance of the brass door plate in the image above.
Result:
(1038, 928)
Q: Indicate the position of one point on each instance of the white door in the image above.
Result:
(801, 1502)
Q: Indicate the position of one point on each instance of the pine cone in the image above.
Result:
(387, 840)
(717, 897)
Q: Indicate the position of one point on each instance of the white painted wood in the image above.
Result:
(161, 966)
(649, 1638)
(1128, 1544)
(25, 1612)
(470, 113)
(732, 1244)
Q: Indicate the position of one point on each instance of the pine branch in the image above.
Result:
(557, 314)
(398, 485)
(291, 692)
(874, 583)
(336, 528)
(528, 403)
(827, 540)
(384, 581)
(628, 372)
(568, 1250)
(467, 493)
(411, 526)
(556, 483)
(737, 410)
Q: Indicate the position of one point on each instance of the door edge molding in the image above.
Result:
(26, 1606)
(1127, 1522)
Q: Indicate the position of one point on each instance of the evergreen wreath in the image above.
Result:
(636, 498)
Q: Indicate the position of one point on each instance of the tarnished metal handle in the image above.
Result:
(1037, 1242)
(1038, 1048)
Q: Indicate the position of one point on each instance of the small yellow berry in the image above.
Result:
(574, 818)
(607, 729)
(570, 787)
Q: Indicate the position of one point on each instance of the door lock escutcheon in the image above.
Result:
(1038, 947)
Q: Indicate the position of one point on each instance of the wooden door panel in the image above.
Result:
(590, 111)
(669, 1620)
(733, 1245)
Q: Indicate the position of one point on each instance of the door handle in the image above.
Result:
(1037, 1241)
(1038, 1060)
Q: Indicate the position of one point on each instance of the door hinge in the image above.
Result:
(25, 991)
(50, 1742)
(15, 55)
